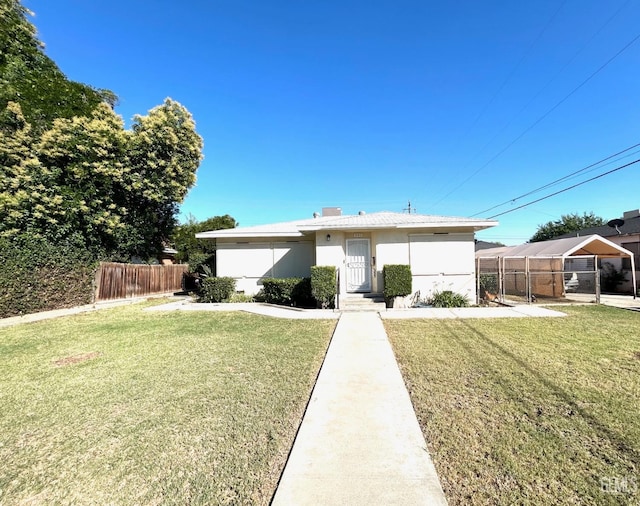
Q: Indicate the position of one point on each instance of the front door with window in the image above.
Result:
(358, 265)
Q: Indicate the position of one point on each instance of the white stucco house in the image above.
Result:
(439, 249)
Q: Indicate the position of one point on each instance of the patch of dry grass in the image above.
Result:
(528, 411)
(123, 406)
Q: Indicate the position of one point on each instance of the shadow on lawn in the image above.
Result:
(602, 430)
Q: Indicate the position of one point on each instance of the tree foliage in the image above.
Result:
(118, 188)
(198, 251)
(565, 225)
(74, 183)
(32, 79)
(38, 275)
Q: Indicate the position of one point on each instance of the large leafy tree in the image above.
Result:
(68, 167)
(87, 175)
(85, 164)
(566, 224)
(165, 153)
(29, 77)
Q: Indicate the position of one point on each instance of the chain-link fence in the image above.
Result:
(538, 279)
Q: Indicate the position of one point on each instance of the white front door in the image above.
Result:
(358, 265)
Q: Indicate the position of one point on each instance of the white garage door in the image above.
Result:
(260, 260)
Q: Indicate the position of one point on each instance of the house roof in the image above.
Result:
(570, 246)
(630, 226)
(373, 221)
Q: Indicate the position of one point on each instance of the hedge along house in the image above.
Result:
(439, 250)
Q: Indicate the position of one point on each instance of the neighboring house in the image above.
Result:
(168, 256)
(624, 232)
(439, 249)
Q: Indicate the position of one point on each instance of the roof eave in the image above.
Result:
(246, 235)
(355, 226)
(460, 224)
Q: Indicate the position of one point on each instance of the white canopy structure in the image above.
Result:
(550, 256)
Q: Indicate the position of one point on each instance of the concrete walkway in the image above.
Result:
(359, 442)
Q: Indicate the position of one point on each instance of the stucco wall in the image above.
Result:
(443, 261)
(388, 247)
(624, 241)
(250, 261)
(438, 261)
(332, 252)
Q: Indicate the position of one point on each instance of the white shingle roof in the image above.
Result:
(381, 220)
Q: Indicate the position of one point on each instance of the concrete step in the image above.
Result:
(362, 302)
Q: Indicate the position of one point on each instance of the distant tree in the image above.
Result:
(198, 251)
(566, 224)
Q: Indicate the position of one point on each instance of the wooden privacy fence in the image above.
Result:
(120, 281)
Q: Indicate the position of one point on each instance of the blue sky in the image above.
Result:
(455, 106)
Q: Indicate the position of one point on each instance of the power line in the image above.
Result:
(565, 189)
(547, 113)
(552, 183)
(515, 68)
(504, 84)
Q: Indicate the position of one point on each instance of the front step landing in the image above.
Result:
(362, 302)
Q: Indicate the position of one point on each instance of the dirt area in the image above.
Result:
(75, 359)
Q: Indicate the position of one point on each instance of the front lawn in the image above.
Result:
(531, 410)
(123, 406)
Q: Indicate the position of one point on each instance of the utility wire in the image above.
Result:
(505, 82)
(565, 189)
(513, 118)
(536, 122)
(552, 183)
(575, 55)
(515, 68)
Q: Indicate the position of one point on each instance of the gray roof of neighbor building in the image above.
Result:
(570, 246)
(373, 221)
(480, 245)
(630, 226)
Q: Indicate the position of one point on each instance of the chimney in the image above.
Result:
(634, 213)
(331, 211)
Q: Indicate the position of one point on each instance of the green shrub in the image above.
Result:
(447, 298)
(287, 291)
(198, 261)
(611, 277)
(301, 294)
(488, 283)
(397, 281)
(217, 290)
(323, 285)
(37, 275)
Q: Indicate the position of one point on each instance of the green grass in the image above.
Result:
(531, 410)
(123, 406)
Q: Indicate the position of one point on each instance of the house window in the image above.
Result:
(634, 247)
